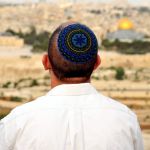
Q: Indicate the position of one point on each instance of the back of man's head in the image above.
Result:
(73, 51)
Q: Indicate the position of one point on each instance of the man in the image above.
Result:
(72, 115)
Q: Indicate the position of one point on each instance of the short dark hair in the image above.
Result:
(64, 69)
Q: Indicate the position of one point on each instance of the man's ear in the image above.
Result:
(98, 62)
(46, 62)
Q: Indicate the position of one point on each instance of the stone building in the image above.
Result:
(125, 32)
(7, 39)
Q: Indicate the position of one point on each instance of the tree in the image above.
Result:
(120, 73)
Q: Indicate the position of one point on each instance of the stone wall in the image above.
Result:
(11, 41)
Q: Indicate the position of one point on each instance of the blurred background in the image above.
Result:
(122, 28)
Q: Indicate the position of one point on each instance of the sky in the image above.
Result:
(22, 1)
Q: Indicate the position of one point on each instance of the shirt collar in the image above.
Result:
(72, 89)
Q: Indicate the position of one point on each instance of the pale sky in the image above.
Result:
(21, 1)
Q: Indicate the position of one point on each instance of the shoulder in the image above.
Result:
(116, 106)
(24, 109)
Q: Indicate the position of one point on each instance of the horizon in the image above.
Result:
(134, 2)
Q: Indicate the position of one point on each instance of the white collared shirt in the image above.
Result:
(71, 117)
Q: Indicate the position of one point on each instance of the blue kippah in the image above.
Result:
(77, 43)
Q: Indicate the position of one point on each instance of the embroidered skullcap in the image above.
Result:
(77, 43)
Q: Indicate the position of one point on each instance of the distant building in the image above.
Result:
(6, 39)
(125, 32)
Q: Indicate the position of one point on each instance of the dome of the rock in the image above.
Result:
(125, 24)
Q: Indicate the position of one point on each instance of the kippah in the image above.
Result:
(77, 43)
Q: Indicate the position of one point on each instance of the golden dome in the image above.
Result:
(125, 24)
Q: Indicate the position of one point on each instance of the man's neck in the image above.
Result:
(55, 81)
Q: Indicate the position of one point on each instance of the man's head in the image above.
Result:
(72, 52)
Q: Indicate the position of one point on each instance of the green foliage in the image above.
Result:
(135, 47)
(24, 82)
(16, 99)
(15, 84)
(106, 43)
(120, 73)
(95, 77)
(34, 82)
(112, 68)
(39, 41)
(11, 31)
(6, 85)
